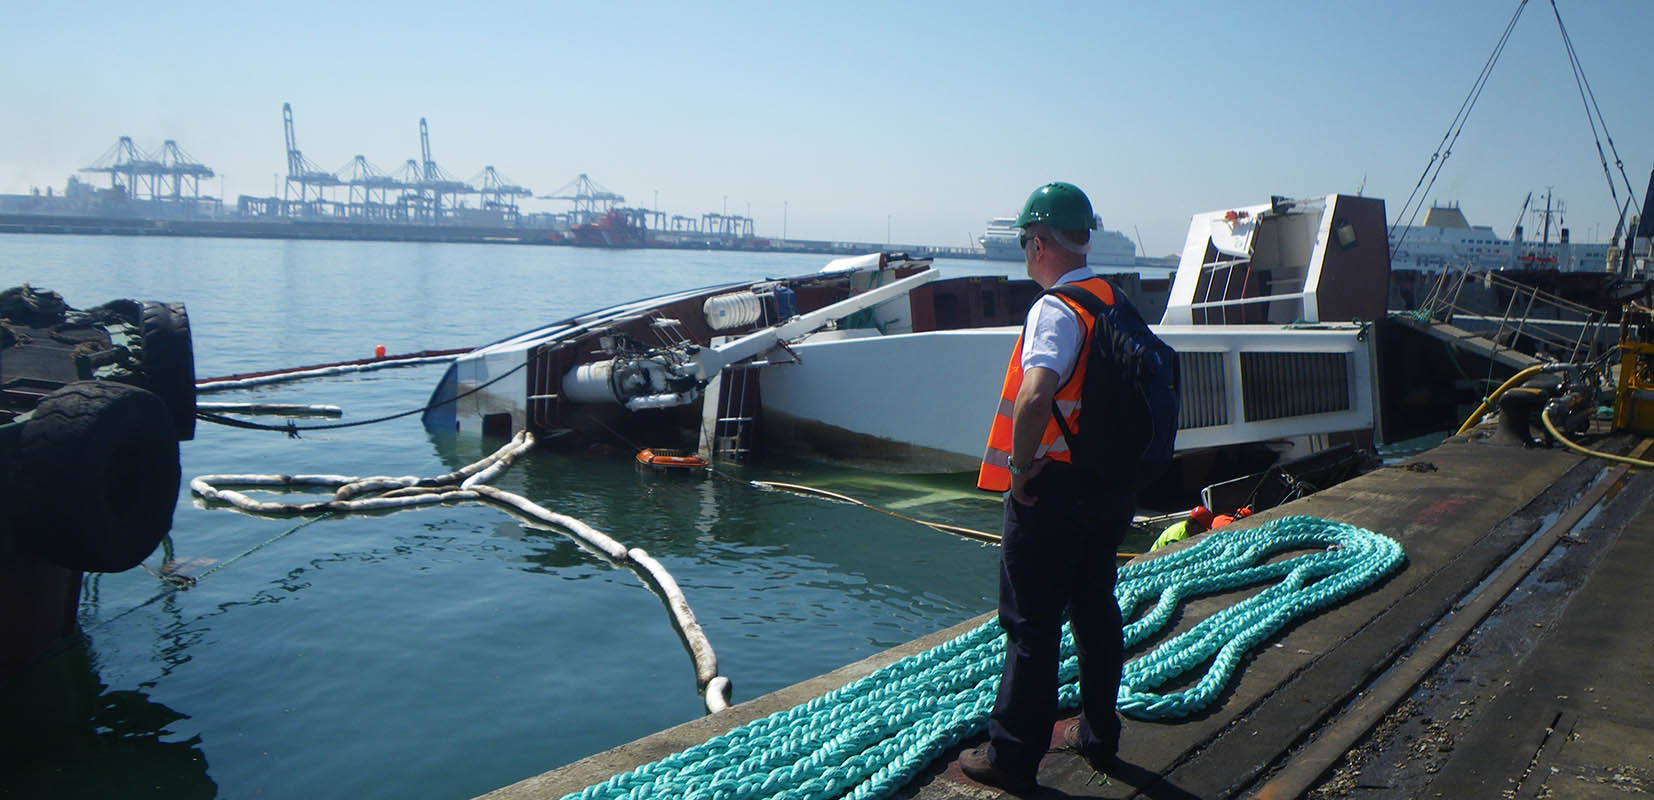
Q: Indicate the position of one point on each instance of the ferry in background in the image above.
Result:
(1109, 249)
(1447, 239)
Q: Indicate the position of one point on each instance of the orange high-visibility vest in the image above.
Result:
(995, 474)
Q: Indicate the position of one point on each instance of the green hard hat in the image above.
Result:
(1061, 205)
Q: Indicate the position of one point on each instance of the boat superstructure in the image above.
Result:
(878, 361)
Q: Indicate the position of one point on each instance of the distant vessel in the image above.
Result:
(1108, 248)
(1447, 239)
(614, 229)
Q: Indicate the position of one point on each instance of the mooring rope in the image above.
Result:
(469, 483)
(869, 738)
(292, 430)
(1348, 560)
(249, 379)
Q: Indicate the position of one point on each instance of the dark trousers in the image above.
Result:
(1057, 555)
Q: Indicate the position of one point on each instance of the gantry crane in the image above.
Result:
(369, 189)
(152, 178)
(435, 184)
(301, 171)
(591, 201)
(499, 193)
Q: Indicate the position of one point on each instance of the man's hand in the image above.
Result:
(1019, 483)
(1030, 413)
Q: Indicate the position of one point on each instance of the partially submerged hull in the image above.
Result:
(879, 362)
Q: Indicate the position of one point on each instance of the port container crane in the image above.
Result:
(591, 200)
(498, 193)
(301, 171)
(435, 184)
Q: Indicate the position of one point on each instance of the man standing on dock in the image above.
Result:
(1062, 523)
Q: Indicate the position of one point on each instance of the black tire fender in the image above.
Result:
(97, 476)
(169, 360)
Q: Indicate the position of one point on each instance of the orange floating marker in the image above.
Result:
(378, 351)
(669, 459)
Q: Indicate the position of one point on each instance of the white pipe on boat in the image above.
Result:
(271, 409)
(712, 360)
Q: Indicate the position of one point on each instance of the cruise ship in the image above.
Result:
(1447, 239)
(1108, 248)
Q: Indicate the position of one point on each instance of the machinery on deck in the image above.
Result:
(1634, 397)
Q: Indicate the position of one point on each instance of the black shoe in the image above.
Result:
(1102, 764)
(978, 765)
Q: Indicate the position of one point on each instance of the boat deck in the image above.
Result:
(1472, 693)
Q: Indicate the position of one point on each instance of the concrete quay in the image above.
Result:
(1508, 658)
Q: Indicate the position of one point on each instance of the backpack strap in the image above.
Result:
(1094, 306)
(1092, 303)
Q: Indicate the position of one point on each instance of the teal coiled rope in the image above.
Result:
(869, 738)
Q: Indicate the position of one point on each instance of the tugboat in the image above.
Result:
(620, 227)
(93, 405)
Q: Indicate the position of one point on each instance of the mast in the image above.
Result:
(1545, 237)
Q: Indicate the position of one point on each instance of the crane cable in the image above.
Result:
(1438, 159)
(1593, 114)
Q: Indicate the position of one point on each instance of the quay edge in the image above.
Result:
(1459, 510)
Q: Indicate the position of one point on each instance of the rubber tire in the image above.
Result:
(98, 473)
(169, 360)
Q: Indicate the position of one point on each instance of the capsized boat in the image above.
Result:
(879, 361)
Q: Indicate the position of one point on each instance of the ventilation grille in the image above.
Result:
(1205, 399)
(1277, 385)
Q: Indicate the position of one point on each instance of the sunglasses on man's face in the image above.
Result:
(1024, 238)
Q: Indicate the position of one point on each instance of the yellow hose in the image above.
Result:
(1545, 417)
(1488, 401)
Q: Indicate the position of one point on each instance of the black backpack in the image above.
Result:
(1128, 405)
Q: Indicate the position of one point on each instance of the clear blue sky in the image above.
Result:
(924, 119)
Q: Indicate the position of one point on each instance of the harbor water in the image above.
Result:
(450, 650)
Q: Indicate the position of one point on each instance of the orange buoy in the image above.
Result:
(378, 351)
(669, 459)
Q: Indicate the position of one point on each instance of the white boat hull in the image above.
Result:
(929, 397)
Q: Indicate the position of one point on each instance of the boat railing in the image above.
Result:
(1569, 331)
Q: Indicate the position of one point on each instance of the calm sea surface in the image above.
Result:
(447, 651)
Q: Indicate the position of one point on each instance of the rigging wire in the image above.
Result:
(1593, 115)
(293, 430)
(1438, 159)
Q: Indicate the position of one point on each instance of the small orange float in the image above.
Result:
(669, 459)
